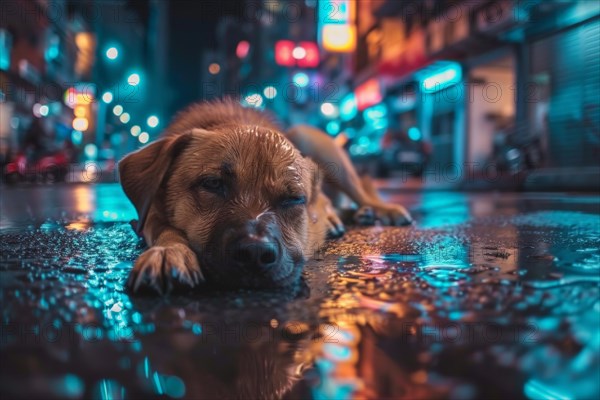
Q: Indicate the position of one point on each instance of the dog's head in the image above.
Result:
(240, 195)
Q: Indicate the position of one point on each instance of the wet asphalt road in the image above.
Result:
(488, 296)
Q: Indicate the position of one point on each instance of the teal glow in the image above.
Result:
(174, 387)
(301, 79)
(158, 383)
(364, 141)
(376, 112)
(146, 367)
(73, 386)
(333, 127)
(348, 109)
(414, 133)
(442, 78)
(537, 390)
(108, 389)
(379, 124)
(337, 352)
(197, 329)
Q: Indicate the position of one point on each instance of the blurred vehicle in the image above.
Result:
(39, 159)
(514, 153)
(403, 152)
(48, 168)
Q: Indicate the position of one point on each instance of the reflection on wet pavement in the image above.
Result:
(486, 296)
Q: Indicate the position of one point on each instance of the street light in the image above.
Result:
(118, 110)
(152, 121)
(107, 97)
(299, 52)
(80, 124)
(125, 117)
(44, 110)
(329, 110)
(112, 53)
(144, 137)
(270, 92)
(214, 68)
(135, 130)
(301, 79)
(133, 79)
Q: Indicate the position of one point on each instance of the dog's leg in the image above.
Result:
(340, 173)
(168, 261)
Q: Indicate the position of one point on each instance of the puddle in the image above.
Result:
(486, 306)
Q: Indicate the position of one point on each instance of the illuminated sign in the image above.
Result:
(339, 38)
(311, 55)
(336, 28)
(303, 54)
(368, 94)
(440, 78)
(284, 50)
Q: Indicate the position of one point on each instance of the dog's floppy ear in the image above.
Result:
(143, 172)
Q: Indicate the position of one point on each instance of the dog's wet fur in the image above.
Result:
(224, 196)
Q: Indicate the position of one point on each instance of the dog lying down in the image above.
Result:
(226, 197)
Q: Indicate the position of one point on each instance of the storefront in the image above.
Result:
(563, 104)
(442, 103)
(491, 108)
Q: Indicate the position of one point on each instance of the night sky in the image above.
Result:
(192, 29)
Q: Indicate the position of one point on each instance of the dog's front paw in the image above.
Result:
(387, 214)
(161, 268)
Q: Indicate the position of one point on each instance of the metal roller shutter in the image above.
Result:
(572, 59)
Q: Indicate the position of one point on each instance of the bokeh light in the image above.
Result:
(214, 68)
(152, 121)
(107, 97)
(270, 92)
(112, 53)
(133, 79)
(144, 137)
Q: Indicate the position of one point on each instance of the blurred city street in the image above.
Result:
(488, 295)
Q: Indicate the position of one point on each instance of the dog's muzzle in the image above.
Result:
(255, 252)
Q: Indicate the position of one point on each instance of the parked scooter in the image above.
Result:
(512, 152)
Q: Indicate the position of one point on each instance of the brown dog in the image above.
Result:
(224, 196)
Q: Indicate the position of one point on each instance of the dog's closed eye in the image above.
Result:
(213, 184)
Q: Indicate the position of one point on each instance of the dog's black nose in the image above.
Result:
(256, 252)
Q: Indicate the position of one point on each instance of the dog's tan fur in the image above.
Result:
(267, 190)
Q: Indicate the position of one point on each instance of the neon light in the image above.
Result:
(443, 78)
(537, 390)
(284, 53)
(339, 38)
(242, 49)
(336, 28)
(376, 112)
(414, 133)
(348, 109)
(368, 94)
(311, 58)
